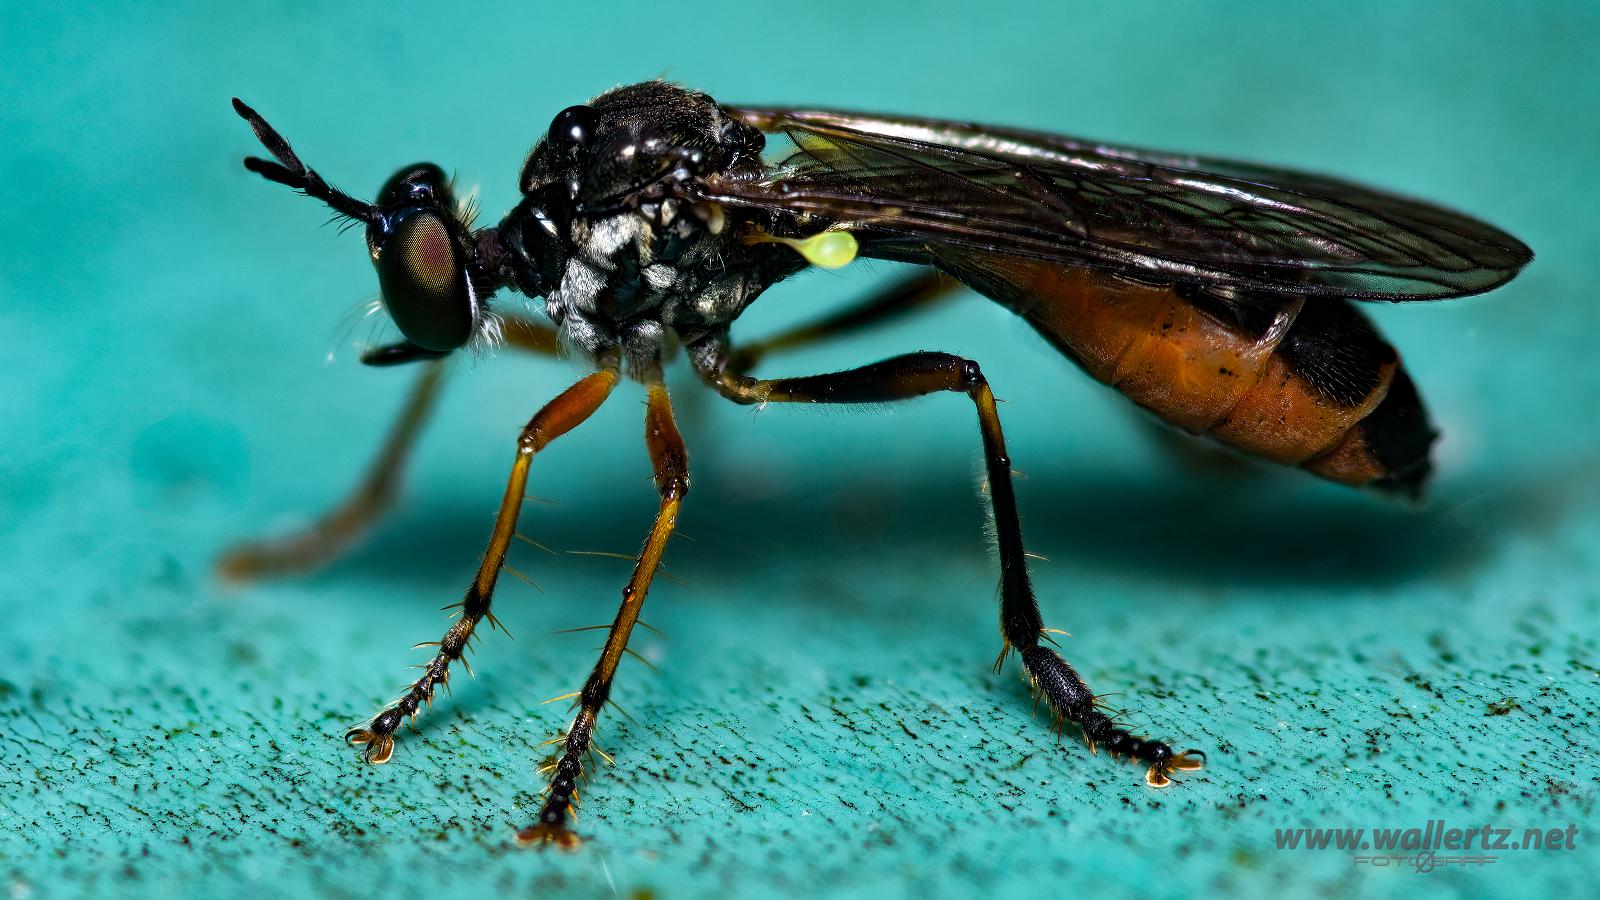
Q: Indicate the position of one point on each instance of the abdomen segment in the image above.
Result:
(1300, 382)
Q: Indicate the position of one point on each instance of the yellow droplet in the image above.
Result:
(830, 249)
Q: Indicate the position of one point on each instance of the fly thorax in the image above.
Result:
(602, 288)
(630, 273)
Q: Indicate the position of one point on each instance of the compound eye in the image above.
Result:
(424, 282)
(573, 128)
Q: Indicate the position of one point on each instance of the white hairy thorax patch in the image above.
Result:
(669, 292)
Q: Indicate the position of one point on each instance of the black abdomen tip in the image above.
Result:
(1400, 436)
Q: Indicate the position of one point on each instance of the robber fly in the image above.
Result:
(1215, 294)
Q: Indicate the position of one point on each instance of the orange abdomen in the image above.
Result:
(1299, 381)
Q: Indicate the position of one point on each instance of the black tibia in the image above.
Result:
(335, 530)
(1021, 626)
(908, 295)
(559, 416)
(671, 464)
(915, 375)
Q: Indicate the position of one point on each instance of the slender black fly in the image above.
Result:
(1215, 294)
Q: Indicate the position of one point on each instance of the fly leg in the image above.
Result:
(670, 462)
(338, 528)
(910, 294)
(334, 532)
(565, 412)
(530, 336)
(1021, 627)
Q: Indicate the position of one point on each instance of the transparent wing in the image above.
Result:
(920, 188)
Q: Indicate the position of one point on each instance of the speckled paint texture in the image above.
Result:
(823, 719)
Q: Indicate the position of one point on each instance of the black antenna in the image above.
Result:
(289, 170)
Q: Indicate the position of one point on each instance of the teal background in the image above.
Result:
(824, 720)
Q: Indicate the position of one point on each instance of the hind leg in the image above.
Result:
(1021, 626)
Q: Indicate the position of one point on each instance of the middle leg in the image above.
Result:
(1021, 626)
(671, 464)
(913, 293)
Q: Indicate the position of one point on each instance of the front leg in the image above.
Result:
(558, 417)
(1021, 627)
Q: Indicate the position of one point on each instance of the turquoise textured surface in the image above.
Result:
(823, 720)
